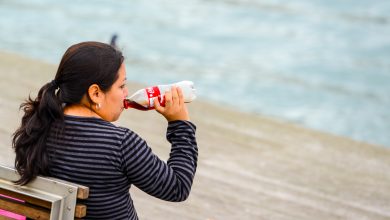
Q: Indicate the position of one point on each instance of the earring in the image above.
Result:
(98, 106)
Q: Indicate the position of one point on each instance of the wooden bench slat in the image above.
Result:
(29, 199)
(80, 211)
(26, 209)
(5, 218)
(82, 192)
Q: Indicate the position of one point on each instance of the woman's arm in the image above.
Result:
(169, 181)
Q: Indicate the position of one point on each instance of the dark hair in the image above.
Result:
(82, 65)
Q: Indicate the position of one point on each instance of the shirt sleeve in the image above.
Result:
(171, 180)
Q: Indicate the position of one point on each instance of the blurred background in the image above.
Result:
(323, 64)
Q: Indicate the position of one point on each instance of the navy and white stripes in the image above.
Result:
(109, 159)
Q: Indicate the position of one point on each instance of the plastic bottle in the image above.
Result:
(143, 98)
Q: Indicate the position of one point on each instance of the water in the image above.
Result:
(324, 64)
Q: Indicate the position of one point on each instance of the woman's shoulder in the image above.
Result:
(94, 124)
(99, 128)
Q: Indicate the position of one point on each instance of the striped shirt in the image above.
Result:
(109, 159)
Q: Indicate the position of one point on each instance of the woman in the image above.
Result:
(66, 133)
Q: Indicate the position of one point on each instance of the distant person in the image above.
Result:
(114, 37)
(66, 132)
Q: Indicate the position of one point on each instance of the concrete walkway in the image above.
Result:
(250, 167)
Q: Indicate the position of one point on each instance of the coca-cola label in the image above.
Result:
(161, 100)
(153, 92)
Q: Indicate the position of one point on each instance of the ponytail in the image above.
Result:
(29, 140)
(82, 65)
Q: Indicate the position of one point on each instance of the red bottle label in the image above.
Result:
(153, 92)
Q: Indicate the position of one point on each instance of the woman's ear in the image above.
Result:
(95, 94)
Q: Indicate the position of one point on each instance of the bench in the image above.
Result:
(42, 198)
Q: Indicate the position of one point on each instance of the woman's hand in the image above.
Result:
(174, 109)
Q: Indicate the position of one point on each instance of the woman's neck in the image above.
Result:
(80, 110)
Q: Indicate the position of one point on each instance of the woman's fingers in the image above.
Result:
(181, 96)
(175, 95)
(168, 98)
(157, 106)
(175, 108)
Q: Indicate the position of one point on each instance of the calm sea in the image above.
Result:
(324, 64)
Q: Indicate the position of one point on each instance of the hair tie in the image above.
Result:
(54, 84)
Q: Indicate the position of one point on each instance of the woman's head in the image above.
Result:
(91, 74)
(87, 73)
